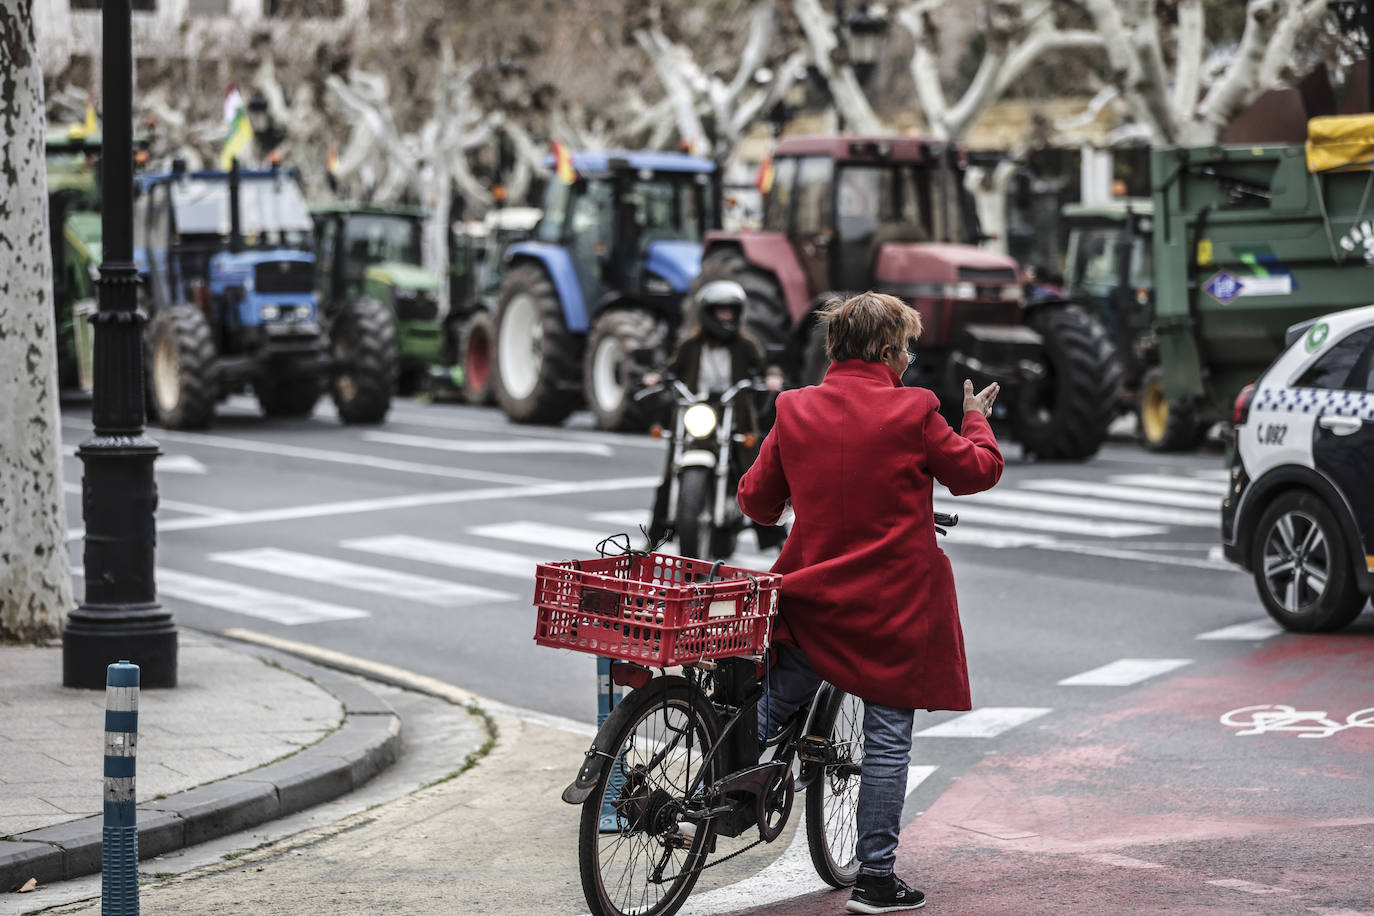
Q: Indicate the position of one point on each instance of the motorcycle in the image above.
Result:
(703, 466)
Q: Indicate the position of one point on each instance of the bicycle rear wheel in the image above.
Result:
(644, 864)
(832, 798)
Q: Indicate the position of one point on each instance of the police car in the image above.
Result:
(1299, 511)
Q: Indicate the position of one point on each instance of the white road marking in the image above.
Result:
(409, 501)
(758, 562)
(432, 420)
(410, 680)
(492, 447)
(1058, 524)
(1125, 492)
(173, 504)
(1214, 474)
(632, 518)
(334, 456)
(1249, 887)
(1125, 671)
(287, 610)
(578, 540)
(1142, 553)
(342, 573)
(790, 875)
(1170, 482)
(1078, 505)
(445, 553)
(179, 464)
(1253, 630)
(988, 722)
(993, 538)
(1111, 858)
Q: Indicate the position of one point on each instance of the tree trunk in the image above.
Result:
(35, 580)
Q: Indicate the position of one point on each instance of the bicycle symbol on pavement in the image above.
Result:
(1257, 720)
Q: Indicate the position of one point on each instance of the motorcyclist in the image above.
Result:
(716, 354)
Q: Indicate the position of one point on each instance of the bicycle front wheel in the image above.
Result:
(633, 852)
(832, 798)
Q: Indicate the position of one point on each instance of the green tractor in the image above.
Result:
(73, 170)
(372, 252)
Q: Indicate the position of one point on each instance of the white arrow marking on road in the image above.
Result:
(1254, 630)
(444, 553)
(1125, 671)
(1125, 492)
(493, 447)
(988, 722)
(364, 578)
(287, 610)
(179, 464)
(790, 875)
(1168, 482)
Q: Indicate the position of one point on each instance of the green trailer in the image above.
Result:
(1249, 241)
(73, 173)
(365, 251)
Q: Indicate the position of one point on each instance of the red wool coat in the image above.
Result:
(867, 594)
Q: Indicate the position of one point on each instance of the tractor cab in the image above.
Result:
(603, 277)
(73, 179)
(375, 252)
(228, 282)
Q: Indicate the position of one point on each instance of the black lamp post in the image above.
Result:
(120, 618)
(1357, 17)
(865, 33)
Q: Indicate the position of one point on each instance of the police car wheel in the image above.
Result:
(1302, 566)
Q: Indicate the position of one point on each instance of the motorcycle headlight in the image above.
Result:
(699, 420)
(270, 313)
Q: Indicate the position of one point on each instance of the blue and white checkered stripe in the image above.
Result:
(1316, 400)
(119, 849)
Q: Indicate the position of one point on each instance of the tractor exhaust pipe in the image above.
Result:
(235, 222)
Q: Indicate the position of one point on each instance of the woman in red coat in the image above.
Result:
(867, 596)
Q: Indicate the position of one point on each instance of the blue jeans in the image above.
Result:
(883, 772)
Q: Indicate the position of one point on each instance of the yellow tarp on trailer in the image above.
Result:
(1340, 143)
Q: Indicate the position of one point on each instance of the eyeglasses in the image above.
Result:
(910, 358)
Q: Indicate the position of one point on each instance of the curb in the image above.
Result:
(367, 742)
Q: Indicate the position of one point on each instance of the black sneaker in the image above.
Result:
(886, 894)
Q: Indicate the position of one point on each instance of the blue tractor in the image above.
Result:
(601, 283)
(228, 284)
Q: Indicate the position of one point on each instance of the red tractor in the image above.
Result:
(848, 214)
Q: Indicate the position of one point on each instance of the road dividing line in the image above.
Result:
(1080, 505)
(1125, 672)
(492, 447)
(988, 722)
(1041, 522)
(287, 610)
(445, 553)
(579, 540)
(1124, 492)
(1215, 488)
(428, 419)
(1111, 858)
(404, 586)
(1251, 631)
(1249, 887)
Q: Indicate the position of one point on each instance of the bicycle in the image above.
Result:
(678, 763)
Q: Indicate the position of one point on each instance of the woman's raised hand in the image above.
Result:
(983, 400)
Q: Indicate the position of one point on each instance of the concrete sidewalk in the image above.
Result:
(241, 740)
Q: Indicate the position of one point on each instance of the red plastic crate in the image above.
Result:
(655, 609)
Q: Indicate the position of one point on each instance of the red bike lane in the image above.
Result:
(1152, 803)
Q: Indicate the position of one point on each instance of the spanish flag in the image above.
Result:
(562, 164)
(240, 131)
(765, 180)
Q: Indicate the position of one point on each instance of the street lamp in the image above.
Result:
(865, 32)
(120, 617)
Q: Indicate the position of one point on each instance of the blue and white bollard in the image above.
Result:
(119, 849)
(607, 697)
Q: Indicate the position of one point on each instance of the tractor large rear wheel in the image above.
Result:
(181, 368)
(537, 359)
(1165, 425)
(362, 339)
(610, 372)
(765, 312)
(1065, 415)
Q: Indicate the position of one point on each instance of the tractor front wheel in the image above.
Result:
(536, 357)
(1165, 425)
(1064, 415)
(477, 347)
(181, 367)
(609, 372)
(362, 340)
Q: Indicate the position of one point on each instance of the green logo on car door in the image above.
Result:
(1317, 336)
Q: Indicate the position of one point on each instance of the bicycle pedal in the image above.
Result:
(813, 749)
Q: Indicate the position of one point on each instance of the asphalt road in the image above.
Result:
(1109, 646)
